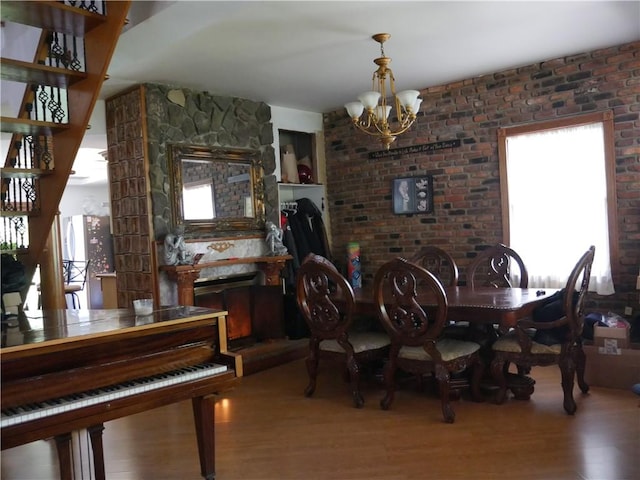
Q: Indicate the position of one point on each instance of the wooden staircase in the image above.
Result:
(61, 87)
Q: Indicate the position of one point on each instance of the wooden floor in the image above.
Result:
(267, 429)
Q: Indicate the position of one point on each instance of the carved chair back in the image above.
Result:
(438, 262)
(396, 286)
(578, 282)
(317, 284)
(494, 267)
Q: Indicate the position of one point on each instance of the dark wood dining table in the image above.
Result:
(482, 305)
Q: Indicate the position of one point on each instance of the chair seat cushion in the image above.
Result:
(449, 349)
(509, 343)
(360, 341)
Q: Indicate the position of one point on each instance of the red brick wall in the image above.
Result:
(467, 214)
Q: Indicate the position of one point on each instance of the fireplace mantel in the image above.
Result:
(186, 275)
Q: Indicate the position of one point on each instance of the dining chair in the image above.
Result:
(326, 300)
(494, 267)
(561, 342)
(444, 267)
(75, 278)
(498, 266)
(438, 262)
(417, 343)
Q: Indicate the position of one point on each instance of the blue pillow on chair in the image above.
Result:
(551, 311)
(591, 319)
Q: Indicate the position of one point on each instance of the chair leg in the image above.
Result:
(74, 297)
(389, 379)
(442, 375)
(498, 374)
(581, 365)
(354, 380)
(568, 370)
(312, 366)
(476, 379)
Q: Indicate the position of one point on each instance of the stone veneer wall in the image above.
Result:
(179, 115)
(468, 215)
(141, 125)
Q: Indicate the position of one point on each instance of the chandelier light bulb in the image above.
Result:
(382, 112)
(408, 98)
(416, 106)
(369, 99)
(354, 109)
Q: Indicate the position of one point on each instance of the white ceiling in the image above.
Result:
(318, 55)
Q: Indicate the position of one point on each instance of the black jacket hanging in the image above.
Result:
(308, 230)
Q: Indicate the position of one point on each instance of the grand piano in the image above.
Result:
(70, 370)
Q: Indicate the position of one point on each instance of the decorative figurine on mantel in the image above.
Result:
(175, 248)
(274, 240)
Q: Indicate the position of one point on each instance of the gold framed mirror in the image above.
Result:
(216, 189)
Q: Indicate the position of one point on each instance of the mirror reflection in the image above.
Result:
(219, 188)
(216, 190)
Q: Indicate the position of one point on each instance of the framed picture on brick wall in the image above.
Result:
(413, 195)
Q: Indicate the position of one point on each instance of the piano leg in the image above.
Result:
(63, 445)
(204, 418)
(95, 433)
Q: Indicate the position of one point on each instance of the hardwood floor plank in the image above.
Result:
(267, 430)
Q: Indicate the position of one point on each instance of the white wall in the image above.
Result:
(85, 200)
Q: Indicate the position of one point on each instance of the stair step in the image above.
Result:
(25, 72)
(31, 127)
(54, 16)
(17, 213)
(10, 172)
(15, 251)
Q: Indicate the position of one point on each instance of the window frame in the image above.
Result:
(606, 118)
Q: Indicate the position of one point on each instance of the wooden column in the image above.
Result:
(51, 277)
(272, 271)
(184, 279)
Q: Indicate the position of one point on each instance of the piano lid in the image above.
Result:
(49, 327)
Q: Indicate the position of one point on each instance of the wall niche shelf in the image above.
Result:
(290, 192)
(305, 146)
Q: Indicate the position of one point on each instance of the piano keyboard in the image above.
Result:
(26, 413)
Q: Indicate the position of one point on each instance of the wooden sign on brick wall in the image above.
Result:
(425, 147)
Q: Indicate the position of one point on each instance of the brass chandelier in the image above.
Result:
(375, 120)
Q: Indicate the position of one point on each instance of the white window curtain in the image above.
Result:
(558, 204)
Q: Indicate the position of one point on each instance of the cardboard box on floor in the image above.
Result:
(619, 368)
(612, 337)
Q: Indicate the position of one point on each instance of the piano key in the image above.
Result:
(31, 411)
